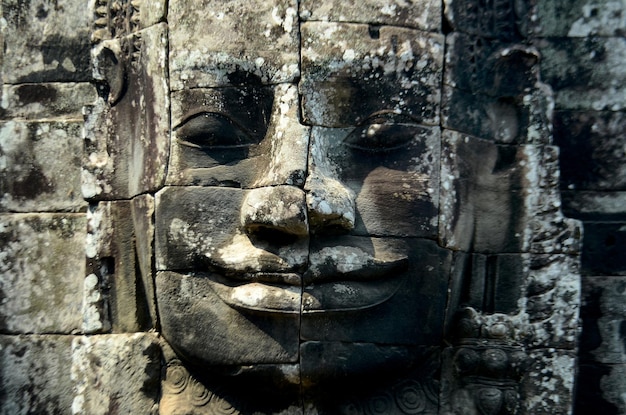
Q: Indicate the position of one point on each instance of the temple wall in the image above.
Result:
(583, 43)
(74, 336)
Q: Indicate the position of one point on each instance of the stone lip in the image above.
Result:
(340, 278)
(276, 293)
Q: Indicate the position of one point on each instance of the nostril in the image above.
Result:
(273, 236)
(275, 211)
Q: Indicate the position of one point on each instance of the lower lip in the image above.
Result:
(335, 296)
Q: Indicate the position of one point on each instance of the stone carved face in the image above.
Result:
(300, 225)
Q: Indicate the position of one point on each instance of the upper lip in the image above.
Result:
(343, 263)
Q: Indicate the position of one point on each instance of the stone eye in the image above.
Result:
(212, 130)
(381, 137)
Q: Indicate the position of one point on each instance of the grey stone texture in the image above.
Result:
(44, 101)
(31, 180)
(36, 374)
(60, 374)
(322, 207)
(42, 267)
(263, 39)
(424, 15)
(45, 42)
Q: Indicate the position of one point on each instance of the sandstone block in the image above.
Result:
(262, 42)
(45, 42)
(421, 15)
(350, 72)
(592, 149)
(585, 73)
(32, 180)
(42, 270)
(115, 373)
(579, 18)
(127, 135)
(46, 101)
(36, 374)
(603, 314)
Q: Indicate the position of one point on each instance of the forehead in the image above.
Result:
(345, 57)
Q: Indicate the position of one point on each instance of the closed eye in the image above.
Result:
(383, 131)
(378, 138)
(212, 130)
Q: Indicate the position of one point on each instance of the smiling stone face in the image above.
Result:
(299, 217)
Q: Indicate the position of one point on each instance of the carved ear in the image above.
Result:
(110, 68)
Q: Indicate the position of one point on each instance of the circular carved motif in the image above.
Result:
(411, 398)
(221, 406)
(382, 404)
(351, 408)
(176, 379)
(199, 395)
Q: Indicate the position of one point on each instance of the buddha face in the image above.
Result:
(298, 226)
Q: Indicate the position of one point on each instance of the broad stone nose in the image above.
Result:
(286, 142)
(330, 205)
(274, 212)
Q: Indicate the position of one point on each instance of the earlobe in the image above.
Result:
(110, 68)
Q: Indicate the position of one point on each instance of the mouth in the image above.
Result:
(337, 279)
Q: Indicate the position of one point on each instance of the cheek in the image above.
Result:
(397, 203)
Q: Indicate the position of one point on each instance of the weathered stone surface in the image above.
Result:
(500, 19)
(599, 388)
(42, 267)
(30, 179)
(521, 119)
(354, 308)
(612, 387)
(604, 243)
(201, 228)
(482, 203)
(491, 67)
(45, 101)
(115, 18)
(112, 260)
(553, 300)
(549, 383)
(580, 18)
(263, 41)
(233, 323)
(382, 179)
(115, 374)
(35, 375)
(350, 73)
(604, 327)
(143, 224)
(239, 137)
(590, 205)
(548, 231)
(593, 148)
(45, 42)
(270, 389)
(420, 15)
(586, 74)
(127, 135)
(337, 379)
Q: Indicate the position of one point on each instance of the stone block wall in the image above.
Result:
(74, 338)
(47, 363)
(584, 49)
